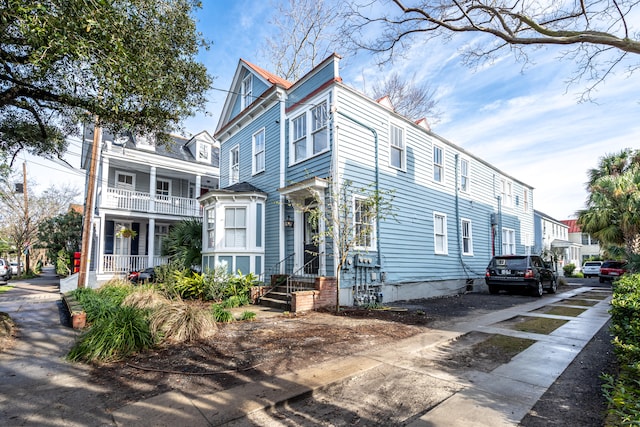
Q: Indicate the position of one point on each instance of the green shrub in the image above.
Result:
(569, 269)
(221, 315)
(248, 315)
(215, 283)
(124, 332)
(240, 285)
(63, 261)
(190, 285)
(623, 392)
(115, 291)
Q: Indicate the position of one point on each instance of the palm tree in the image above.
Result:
(613, 206)
(183, 244)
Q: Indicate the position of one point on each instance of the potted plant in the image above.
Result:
(126, 233)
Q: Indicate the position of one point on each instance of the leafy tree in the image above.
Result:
(599, 34)
(613, 206)
(19, 222)
(62, 232)
(128, 62)
(183, 244)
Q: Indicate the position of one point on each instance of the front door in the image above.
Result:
(311, 255)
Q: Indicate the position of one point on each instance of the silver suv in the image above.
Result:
(5, 270)
(591, 269)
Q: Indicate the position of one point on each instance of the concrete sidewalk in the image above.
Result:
(499, 398)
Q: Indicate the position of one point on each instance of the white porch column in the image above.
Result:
(101, 239)
(152, 189)
(104, 182)
(298, 239)
(152, 241)
(198, 186)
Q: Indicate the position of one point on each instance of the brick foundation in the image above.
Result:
(323, 296)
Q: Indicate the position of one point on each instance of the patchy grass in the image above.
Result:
(582, 302)
(5, 288)
(594, 295)
(539, 325)
(561, 311)
(509, 346)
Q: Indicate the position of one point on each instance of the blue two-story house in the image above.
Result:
(281, 142)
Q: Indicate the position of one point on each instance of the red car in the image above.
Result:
(611, 270)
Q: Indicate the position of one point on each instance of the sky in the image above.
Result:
(526, 122)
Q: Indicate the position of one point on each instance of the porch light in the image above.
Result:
(288, 222)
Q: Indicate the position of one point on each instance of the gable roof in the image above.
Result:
(573, 225)
(270, 77)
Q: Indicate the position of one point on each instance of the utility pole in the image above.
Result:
(27, 243)
(88, 207)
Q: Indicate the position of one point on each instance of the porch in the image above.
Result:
(138, 201)
(121, 265)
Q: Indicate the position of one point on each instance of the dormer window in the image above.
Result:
(204, 152)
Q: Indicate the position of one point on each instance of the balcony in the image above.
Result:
(137, 201)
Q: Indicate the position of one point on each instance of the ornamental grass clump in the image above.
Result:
(125, 332)
(221, 315)
(180, 321)
(146, 298)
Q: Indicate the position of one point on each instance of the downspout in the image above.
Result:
(282, 97)
(458, 223)
(377, 179)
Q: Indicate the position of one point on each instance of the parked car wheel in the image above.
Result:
(538, 290)
(554, 286)
(493, 289)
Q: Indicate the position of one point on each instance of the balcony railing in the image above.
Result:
(123, 264)
(116, 198)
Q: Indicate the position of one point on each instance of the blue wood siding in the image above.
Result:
(312, 84)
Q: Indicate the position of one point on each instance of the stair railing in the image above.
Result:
(300, 279)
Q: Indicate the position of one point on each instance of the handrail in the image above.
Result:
(276, 269)
(300, 274)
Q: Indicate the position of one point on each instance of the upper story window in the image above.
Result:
(204, 152)
(235, 227)
(363, 223)
(299, 136)
(125, 181)
(234, 165)
(464, 175)
(440, 233)
(507, 193)
(397, 153)
(247, 91)
(438, 164)
(310, 133)
(163, 188)
(525, 200)
(319, 120)
(258, 151)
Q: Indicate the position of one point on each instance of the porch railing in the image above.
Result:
(117, 198)
(123, 264)
(301, 279)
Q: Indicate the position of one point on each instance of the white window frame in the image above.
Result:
(125, 186)
(397, 132)
(210, 227)
(163, 181)
(442, 234)
(234, 165)
(525, 200)
(357, 224)
(508, 241)
(438, 166)
(203, 151)
(319, 126)
(247, 91)
(299, 137)
(465, 175)
(235, 227)
(506, 192)
(259, 154)
(466, 236)
(161, 231)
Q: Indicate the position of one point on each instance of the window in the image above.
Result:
(204, 152)
(525, 200)
(235, 228)
(363, 223)
(211, 228)
(163, 189)
(161, 231)
(440, 233)
(464, 175)
(319, 118)
(258, 151)
(299, 137)
(507, 193)
(438, 164)
(396, 147)
(247, 91)
(126, 181)
(508, 241)
(467, 242)
(234, 165)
